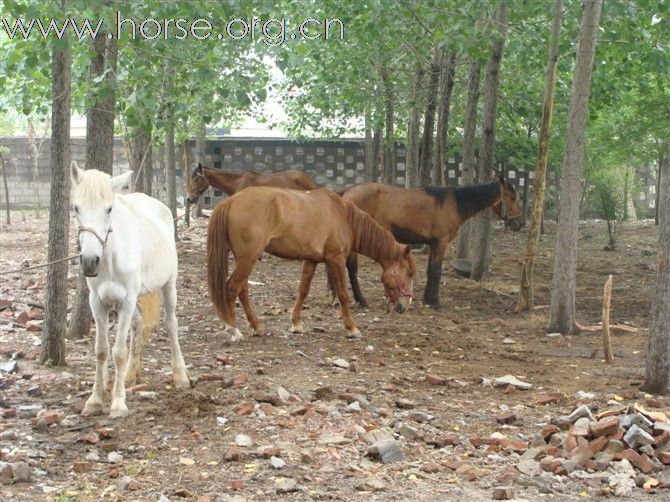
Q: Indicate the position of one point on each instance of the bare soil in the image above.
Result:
(182, 444)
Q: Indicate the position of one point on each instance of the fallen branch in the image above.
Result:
(598, 327)
(607, 339)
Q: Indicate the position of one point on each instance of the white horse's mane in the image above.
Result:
(94, 188)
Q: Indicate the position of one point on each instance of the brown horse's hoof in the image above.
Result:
(354, 333)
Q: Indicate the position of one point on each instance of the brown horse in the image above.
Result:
(314, 226)
(432, 216)
(231, 183)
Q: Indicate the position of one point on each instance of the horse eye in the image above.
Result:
(76, 209)
(109, 209)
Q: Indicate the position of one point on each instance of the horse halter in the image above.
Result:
(501, 201)
(403, 292)
(199, 173)
(102, 241)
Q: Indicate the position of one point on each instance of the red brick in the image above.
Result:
(618, 435)
(598, 444)
(642, 462)
(645, 464)
(236, 485)
(92, 438)
(515, 445)
(476, 441)
(570, 443)
(664, 456)
(106, 432)
(80, 466)
(545, 399)
(245, 409)
(9, 413)
(605, 426)
(506, 417)
(138, 387)
(552, 450)
(502, 493)
(550, 464)
(662, 439)
(510, 389)
(549, 430)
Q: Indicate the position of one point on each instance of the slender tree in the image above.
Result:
(469, 132)
(657, 377)
(446, 88)
(55, 302)
(389, 121)
(526, 298)
(425, 154)
(99, 150)
(482, 226)
(369, 146)
(413, 130)
(565, 257)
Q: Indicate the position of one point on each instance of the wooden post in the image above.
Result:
(607, 340)
(187, 181)
(4, 179)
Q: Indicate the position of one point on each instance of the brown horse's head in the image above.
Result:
(509, 208)
(398, 279)
(197, 186)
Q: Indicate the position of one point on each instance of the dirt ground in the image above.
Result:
(182, 444)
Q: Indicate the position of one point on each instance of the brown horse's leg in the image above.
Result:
(248, 309)
(336, 269)
(308, 268)
(431, 295)
(352, 269)
(235, 283)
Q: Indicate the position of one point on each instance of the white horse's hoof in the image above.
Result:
(118, 411)
(182, 383)
(297, 328)
(237, 336)
(92, 407)
(354, 333)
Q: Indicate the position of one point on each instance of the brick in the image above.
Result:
(605, 427)
(515, 445)
(545, 399)
(506, 417)
(502, 493)
(658, 440)
(598, 444)
(664, 457)
(81, 466)
(548, 430)
(550, 464)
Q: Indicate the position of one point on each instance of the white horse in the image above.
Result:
(127, 250)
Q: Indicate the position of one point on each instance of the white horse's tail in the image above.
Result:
(149, 305)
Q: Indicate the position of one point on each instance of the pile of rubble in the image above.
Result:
(621, 447)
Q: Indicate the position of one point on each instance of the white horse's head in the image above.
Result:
(93, 199)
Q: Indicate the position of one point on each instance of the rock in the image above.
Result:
(114, 457)
(93, 456)
(637, 437)
(7, 436)
(512, 380)
(421, 417)
(288, 486)
(580, 395)
(277, 463)
(507, 417)
(582, 427)
(435, 379)
(80, 466)
(371, 485)
(469, 472)
(332, 439)
(622, 485)
(283, 394)
(237, 485)
(183, 492)
(340, 363)
(306, 457)
(545, 399)
(8, 366)
(324, 393)
(409, 432)
(5, 473)
(554, 335)
(92, 437)
(448, 439)
(147, 395)
(133, 485)
(385, 451)
(549, 430)
(21, 472)
(29, 410)
(186, 461)
(529, 467)
(374, 435)
(243, 440)
(582, 411)
(405, 404)
(502, 493)
(508, 341)
(354, 407)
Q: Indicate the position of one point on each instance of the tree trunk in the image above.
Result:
(469, 131)
(199, 153)
(659, 177)
(369, 147)
(565, 257)
(4, 181)
(171, 170)
(141, 159)
(526, 298)
(412, 156)
(187, 180)
(377, 140)
(425, 154)
(440, 162)
(99, 154)
(657, 377)
(33, 152)
(55, 301)
(388, 175)
(482, 225)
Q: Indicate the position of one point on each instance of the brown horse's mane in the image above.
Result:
(370, 239)
(470, 199)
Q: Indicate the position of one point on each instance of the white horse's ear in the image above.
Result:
(121, 181)
(75, 172)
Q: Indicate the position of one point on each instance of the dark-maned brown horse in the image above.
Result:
(314, 226)
(432, 216)
(231, 183)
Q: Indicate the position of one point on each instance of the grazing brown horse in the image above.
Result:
(314, 226)
(231, 183)
(432, 216)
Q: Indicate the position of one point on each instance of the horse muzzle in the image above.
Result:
(192, 199)
(400, 308)
(514, 224)
(90, 265)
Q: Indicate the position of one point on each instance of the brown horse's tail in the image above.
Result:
(217, 258)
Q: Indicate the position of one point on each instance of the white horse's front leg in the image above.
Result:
(101, 315)
(120, 354)
(179, 375)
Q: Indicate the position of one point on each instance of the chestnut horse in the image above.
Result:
(231, 183)
(315, 226)
(432, 216)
